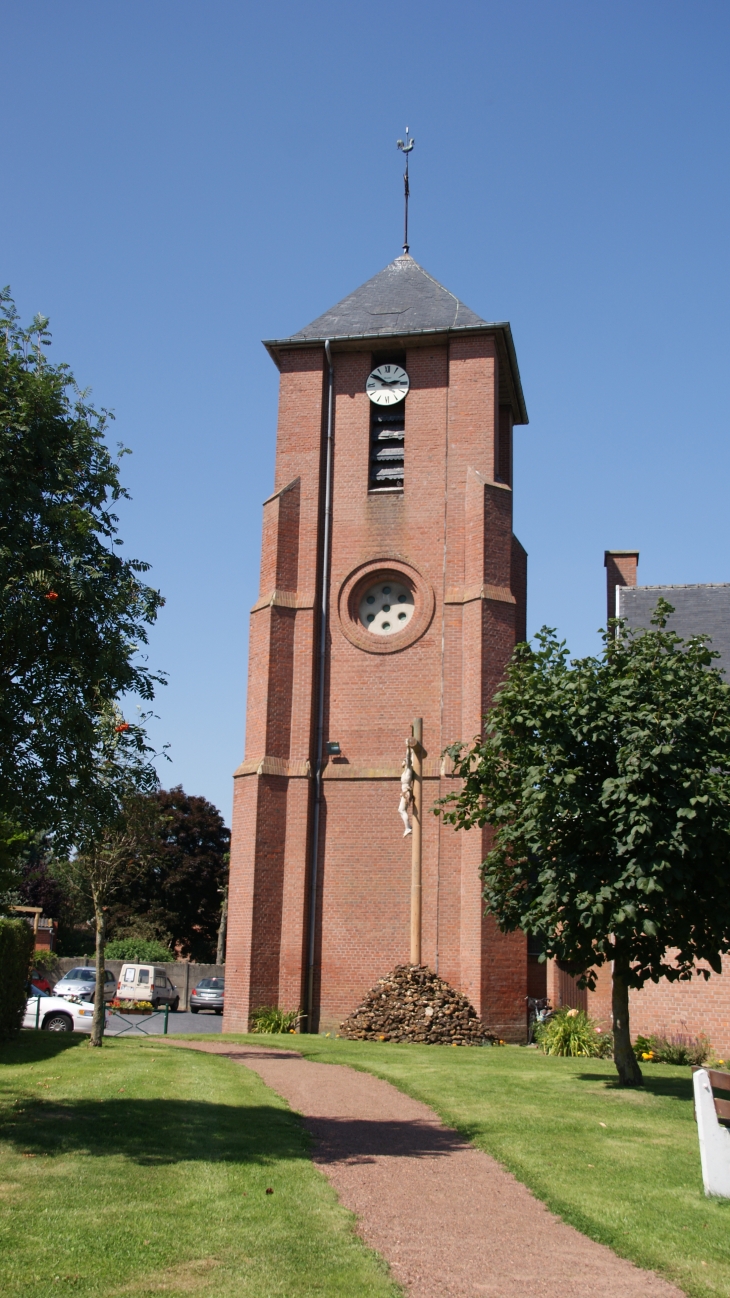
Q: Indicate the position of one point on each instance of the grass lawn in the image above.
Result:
(139, 1169)
(622, 1166)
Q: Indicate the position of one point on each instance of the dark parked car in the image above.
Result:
(207, 995)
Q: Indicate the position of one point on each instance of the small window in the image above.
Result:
(160, 978)
(503, 457)
(386, 607)
(144, 976)
(129, 975)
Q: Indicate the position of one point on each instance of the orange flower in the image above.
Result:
(52, 594)
(124, 726)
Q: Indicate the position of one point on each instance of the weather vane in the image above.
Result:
(405, 146)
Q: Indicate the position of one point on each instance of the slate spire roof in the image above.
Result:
(401, 299)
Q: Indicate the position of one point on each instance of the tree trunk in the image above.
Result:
(627, 1065)
(221, 952)
(97, 1023)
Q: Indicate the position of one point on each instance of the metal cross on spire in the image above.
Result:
(405, 146)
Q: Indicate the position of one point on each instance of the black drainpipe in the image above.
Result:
(323, 612)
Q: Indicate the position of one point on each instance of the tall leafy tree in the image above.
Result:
(73, 611)
(38, 886)
(180, 892)
(606, 782)
(14, 844)
(110, 856)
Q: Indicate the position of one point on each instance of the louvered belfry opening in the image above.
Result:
(387, 435)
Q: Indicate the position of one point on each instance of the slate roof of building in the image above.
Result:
(400, 300)
(699, 610)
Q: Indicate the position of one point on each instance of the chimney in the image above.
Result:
(621, 568)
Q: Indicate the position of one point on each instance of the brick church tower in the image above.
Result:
(392, 588)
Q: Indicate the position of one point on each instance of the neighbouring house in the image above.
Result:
(44, 929)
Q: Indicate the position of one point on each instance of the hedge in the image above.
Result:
(140, 950)
(16, 953)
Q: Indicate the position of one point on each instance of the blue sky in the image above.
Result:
(181, 180)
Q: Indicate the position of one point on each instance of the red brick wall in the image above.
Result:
(679, 1008)
(674, 1009)
(453, 525)
(621, 568)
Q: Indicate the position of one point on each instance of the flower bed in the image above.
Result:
(677, 1049)
(571, 1032)
(132, 1007)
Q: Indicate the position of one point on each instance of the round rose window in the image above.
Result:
(386, 607)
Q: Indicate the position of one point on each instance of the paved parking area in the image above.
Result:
(183, 1021)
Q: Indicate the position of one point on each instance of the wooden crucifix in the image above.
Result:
(415, 744)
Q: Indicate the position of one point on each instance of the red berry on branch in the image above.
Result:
(52, 594)
(123, 726)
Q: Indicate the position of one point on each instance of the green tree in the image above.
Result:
(606, 781)
(111, 851)
(14, 844)
(177, 896)
(16, 950)
(73, 610)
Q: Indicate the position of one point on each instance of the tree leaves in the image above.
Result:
(73, 612)
(179, 890)
(606, 782)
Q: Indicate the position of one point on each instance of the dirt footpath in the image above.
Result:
(447, 1217)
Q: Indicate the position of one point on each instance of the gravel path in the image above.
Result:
(447, 1217)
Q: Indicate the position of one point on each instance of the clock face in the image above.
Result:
(387, 385)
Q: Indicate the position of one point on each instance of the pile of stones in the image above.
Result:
(413, 1004)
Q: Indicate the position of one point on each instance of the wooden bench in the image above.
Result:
(713, 1118)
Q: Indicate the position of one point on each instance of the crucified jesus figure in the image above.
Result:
(406, 795)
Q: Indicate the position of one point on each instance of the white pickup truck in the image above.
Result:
(57, 1014)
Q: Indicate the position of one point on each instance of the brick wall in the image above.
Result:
(670, 1008)
(621, 566)
(677, 1008)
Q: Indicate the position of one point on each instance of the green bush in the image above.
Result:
(267, 1018)
(16, 953)
(571, 1032)
(672, 1050)
(45, 960)
(139, 949)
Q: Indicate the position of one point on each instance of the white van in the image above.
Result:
(147, 982)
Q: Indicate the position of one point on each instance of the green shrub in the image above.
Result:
(45, 960)
(16, 953)
(139, 949)
(677, 1049)
(571, 1032)
(267, 1018)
